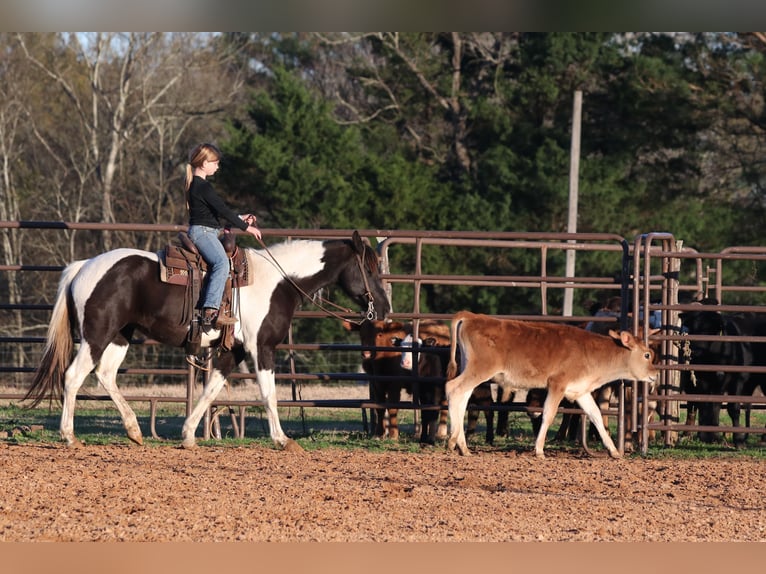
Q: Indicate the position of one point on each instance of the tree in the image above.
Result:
(12, 148)
(133, 98)
(299, 166)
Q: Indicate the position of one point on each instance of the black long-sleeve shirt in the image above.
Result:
(207, 208)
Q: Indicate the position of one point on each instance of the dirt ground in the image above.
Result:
(163, 493)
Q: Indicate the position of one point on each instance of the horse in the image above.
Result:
(110, 296)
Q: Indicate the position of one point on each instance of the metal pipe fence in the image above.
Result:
(654, 272)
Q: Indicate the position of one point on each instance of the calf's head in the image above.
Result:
(379, 334)
(640, 362)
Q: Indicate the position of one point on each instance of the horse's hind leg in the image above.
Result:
(73, 380)
(107, 376)
(212, 388)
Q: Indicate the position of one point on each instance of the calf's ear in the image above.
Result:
(624, 337)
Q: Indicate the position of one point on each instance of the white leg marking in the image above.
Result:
(73, 380)
(106, 372)
(269, 396)
(213, 387)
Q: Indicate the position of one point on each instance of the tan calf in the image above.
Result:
(567, 361)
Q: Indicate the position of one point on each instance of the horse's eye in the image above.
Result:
(647, 355)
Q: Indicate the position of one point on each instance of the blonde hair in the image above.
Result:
(197, 156)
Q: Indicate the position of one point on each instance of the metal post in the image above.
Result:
(574, 172)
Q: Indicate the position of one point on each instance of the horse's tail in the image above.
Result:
(452, 365)
(48, 381)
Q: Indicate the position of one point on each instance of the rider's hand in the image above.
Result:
(254, 231)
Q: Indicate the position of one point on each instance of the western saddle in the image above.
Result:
(182, 264)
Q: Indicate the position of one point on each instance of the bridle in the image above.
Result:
(320, 301)
(371, 313)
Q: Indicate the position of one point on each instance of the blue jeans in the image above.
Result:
(212, 251)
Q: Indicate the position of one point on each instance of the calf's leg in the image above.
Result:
(588, 404)
(458, 392)
(550, 406)
(394, 396)
(504, 396)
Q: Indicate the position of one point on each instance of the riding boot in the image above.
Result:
(222, 320)
(212, 319)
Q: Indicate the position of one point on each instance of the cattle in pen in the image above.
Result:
(381, 359)
(432, 363)
(567, 361)
(711, 322)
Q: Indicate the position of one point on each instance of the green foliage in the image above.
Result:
(651, 108)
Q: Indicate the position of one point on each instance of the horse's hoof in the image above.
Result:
(75, 443)
(615, 454)
(189, 444)
(136, 438)
(292, 446)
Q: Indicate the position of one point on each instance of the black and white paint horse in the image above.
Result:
(110, 296)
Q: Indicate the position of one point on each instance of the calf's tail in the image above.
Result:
(452, 365)
(48, 381)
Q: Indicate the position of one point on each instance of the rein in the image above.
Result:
(370, 315)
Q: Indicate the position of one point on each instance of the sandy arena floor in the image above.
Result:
(129, 493)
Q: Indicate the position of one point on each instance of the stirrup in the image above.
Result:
(207, 323)
(197, 362)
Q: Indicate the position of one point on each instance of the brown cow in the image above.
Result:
(388, 378)
(567, 361)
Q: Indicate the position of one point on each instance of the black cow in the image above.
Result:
(755, 325)
(725, 353)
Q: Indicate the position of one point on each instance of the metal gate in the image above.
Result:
(648, 275)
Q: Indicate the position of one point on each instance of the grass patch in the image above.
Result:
(315, 428)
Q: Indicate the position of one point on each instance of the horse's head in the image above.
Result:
(360, 279)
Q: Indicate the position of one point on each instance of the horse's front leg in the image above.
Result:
(212, 388)
(269, 397)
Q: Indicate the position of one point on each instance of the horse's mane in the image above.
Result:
(278, 250)
(370, 259)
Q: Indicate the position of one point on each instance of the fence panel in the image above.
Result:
(655, 275)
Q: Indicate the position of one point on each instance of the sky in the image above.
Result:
(365, 15)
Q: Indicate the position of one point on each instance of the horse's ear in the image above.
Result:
(358, 243)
